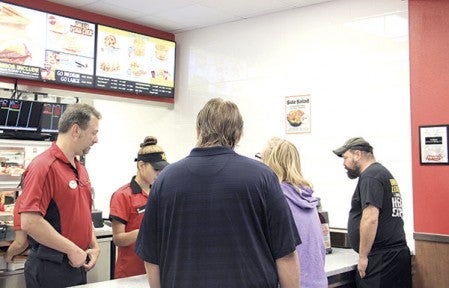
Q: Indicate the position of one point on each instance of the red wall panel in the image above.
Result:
(429, 72)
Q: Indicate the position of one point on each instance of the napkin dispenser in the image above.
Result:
(97, 218)
(339, 238)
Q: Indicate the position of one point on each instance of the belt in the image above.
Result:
(47, 253)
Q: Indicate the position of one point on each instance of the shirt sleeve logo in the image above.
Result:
(396, 199)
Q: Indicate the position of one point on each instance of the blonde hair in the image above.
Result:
(283, 158)
(149, 145)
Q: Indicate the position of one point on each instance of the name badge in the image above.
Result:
(73, 184)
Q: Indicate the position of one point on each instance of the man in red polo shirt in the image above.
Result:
(56, 205)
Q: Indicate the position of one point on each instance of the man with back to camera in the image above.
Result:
(375, 225)
(56, 203)
(218, 219)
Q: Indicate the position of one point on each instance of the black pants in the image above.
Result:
(387, 269)
(48, 268)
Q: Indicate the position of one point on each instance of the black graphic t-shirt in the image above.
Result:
(377, 187)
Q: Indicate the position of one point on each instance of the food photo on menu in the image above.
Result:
(42, 46)
(70, 49)
(108, 54)
(21, 41)
(163, 64)
(14, 39)
(133, 58)
(138, 58)
(122, 55)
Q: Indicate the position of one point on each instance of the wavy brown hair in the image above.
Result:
(219, 123)
(79, 113)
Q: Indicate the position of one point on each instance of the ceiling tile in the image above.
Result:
(182, 15)
(197, 16)
(146, 7)
(160, 23)
(112, 10)
(246, 8)
(302, 3)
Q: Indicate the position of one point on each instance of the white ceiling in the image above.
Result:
(176, 16)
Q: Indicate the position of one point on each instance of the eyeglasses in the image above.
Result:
(258, 156)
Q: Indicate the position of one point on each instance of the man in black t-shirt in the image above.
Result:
(375, 225)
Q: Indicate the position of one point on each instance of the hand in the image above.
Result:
(77, 258)
(91, 260)
(361, 266)
(9, 257)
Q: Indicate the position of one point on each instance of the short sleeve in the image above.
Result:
(119, 207)
(35, 197)
(371, 192)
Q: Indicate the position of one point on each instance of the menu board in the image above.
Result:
(19, 115)
(51, 113)
(47, 47)
(134, 63)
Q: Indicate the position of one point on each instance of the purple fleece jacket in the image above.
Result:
(311, 251)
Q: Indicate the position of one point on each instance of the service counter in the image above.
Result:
(340, 269)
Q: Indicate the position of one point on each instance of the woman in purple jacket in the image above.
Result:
(283, 158)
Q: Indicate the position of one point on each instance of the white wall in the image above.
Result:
(351, 56)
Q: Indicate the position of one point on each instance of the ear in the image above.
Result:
(75, 130)
(140, 164)
(357, 154)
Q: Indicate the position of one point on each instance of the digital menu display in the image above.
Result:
(134, 63)
(48, 47)
(42, 46)
(51, 113)
(19, 115)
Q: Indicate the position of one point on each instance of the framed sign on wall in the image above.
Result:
(433, 144)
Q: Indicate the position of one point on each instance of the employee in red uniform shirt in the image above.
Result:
(128, 204)
(56, 205)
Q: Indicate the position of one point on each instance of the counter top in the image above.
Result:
(140, 281)
(339, 261)
(105, 231)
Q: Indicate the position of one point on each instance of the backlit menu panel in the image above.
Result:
(19, 115)
(51, 113)
(42, 46)
(134, 63)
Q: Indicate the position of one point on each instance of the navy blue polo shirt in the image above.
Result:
(217, 219)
